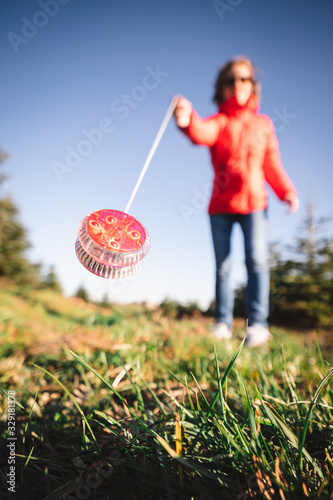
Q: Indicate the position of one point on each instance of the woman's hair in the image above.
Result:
(223, 74)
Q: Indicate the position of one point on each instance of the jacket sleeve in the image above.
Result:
(203, 131)
(275, 174)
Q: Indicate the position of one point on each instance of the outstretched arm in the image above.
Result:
(200, 131)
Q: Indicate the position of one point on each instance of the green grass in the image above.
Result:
(124, 402)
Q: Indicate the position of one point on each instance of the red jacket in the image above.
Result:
(245, 154)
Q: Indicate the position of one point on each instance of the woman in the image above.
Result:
(245, 155)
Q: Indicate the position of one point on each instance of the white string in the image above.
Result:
(157, 139)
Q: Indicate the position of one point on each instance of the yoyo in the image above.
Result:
(111, 244)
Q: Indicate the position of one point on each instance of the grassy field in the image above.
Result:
(124, 402)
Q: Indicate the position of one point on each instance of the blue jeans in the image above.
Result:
(254, 227)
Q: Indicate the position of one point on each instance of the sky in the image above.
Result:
(84, 88)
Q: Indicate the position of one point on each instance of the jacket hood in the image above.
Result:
(231, 106)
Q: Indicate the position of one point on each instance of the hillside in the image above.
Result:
(103, 392)
(44, 322)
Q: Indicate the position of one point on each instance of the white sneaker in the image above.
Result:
(221, 331)
(257, 335)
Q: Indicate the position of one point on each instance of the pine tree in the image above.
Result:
(82, 294)
(13, 240)
(302, 286)
(51, 281)
(105, 302)
(301, 292)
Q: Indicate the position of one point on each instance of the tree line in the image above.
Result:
(301, 274)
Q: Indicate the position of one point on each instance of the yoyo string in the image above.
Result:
(93, 245)
(157, 139)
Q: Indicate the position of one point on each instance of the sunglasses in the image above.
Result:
(230, 82)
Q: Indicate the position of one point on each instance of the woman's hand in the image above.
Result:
(293, 202)
(182, 112)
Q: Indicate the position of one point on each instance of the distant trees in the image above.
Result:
(175, 310)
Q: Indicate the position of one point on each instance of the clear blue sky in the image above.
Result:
(71, 66)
